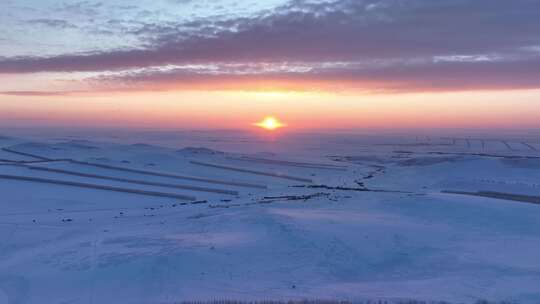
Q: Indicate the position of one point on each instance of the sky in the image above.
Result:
(314, 64)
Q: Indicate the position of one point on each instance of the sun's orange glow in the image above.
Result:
(310, 110)
(270, 123)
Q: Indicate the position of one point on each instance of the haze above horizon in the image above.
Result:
(314, 64)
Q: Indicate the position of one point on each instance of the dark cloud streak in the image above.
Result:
(404, 77)
(56, 23)
(35, 93)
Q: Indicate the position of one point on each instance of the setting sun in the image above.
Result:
(270, 123)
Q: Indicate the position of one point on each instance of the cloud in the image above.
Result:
(35, 93)
(440, 35)
(85, 8)
(443, 75)
(56, 23)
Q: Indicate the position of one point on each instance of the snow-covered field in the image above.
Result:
(202, 216)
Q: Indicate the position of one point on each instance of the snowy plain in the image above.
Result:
(224, 215)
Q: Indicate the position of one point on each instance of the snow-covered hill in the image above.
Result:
(329, 217)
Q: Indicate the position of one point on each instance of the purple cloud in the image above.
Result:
(393, 77)
(392, 32)
(34, 93)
